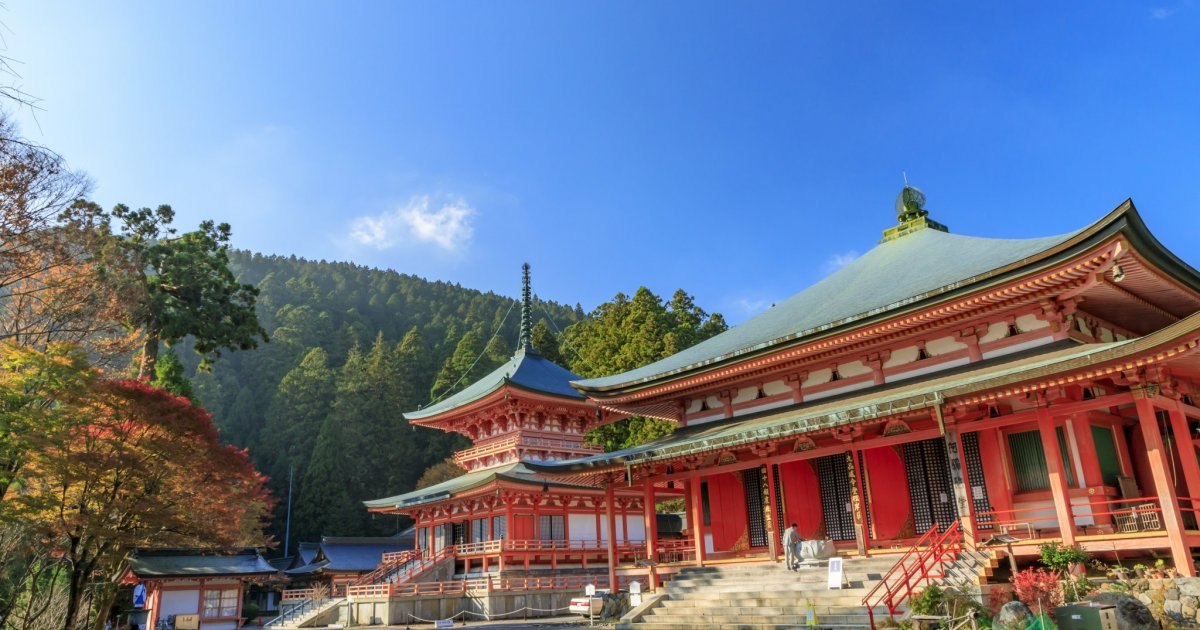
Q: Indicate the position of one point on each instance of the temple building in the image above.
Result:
(936, 392)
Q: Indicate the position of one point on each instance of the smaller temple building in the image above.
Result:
(338, 561)
(193, 589)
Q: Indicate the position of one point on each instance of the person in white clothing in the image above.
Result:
(791, 542)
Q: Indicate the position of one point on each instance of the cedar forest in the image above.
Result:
(159, 389)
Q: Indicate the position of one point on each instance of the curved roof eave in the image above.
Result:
(1124, 218)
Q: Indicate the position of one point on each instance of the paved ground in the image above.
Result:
(549, 622)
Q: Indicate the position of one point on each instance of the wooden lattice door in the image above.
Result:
(833, 472)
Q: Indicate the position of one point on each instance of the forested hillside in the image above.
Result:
(350, 349)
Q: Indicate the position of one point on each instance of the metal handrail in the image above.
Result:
(928, 557)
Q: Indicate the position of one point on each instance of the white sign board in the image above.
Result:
(635, 587)
(589, 590)
(835, 573)
(635, 599)
(443, 623)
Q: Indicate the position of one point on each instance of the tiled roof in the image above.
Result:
(527, 370)
(887, 277)
(160, 563)
(517, 472)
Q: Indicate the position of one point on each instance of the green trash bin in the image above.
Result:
(1085, 617)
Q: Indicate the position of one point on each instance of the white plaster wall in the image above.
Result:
(997, 330)
(839, 390)
(179, 603)
(854, 368)
(218, 625)
(745, 394)
(694, 405)
(715, 403)
(817, 377)
(763, 407)
(942, 345)
(1032, 343)
(1106, 335)
(637, 527)
(928, 369)
(582, 526)
(900, 356)
(774, 388)
(706, 418)
(1026, 323)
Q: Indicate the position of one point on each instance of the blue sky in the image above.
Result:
(737, 150)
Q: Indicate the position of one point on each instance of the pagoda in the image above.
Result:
(502, 517)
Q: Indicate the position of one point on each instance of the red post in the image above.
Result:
(773, 512)
(697, 517)
(1162, 481)
(610, 498)
(651, 528)
(1058, 478)
(1092, 478)
(1187, 455)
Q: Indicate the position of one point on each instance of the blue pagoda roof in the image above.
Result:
(526, 370)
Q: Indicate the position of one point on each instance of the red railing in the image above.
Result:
(923, 562)
(1118, 515)
(390, 562)
(672, 551)
(487, 584)
(530, 546)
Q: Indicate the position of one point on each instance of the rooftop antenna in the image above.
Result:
(525, 340)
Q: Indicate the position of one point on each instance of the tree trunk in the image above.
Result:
(104, 599)
(149, 357)
(74, 596)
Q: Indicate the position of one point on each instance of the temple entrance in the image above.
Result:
(980, 504)
(833, 471)
(929, 487)
(752, 484)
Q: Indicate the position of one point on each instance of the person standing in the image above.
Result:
(791, 538)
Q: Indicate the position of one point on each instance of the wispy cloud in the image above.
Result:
(837, 261)
(1161, 13)
(446, 224)
(749, 306)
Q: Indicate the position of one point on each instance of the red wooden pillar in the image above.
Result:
(610, 498)
(859, 468)
(1187, 456)
(651, 528)
(773, 528)
(1092, 477)
(1162, 481)
(1058, 477)
(696, 515)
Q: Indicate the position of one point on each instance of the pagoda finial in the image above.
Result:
(526, 338)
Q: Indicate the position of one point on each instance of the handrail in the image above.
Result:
(927, 561)
(390, 562)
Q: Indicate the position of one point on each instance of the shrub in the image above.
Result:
(1060, 557)
(929, 602)
(1038, 587)
(998, 597)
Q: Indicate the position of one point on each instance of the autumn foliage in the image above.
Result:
(1038, 588)
(120, 464)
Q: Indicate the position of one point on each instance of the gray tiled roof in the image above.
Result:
(527, 370)
(513, 472)
(888, 276)
(160, 563)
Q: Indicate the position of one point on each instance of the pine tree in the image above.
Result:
(624, 334)
(168, 375)
(545, 342)
(457, 372)
(301, 405)
(324, 506)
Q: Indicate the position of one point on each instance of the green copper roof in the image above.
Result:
(526, 370)
(889, 276)
(517, 472)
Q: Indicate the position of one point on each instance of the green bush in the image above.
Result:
(1059, 557)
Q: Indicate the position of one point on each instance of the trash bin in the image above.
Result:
(1085, 617)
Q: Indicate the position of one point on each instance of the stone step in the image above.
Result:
(751, 601)
(791, 618)
(798, 587)
(674, 625)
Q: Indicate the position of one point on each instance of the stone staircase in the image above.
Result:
(766, 596)
(308, 614)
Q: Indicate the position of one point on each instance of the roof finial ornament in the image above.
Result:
(525, 341)
(910, 213)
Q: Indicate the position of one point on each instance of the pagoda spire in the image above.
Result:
(911, 214)
(525, 341)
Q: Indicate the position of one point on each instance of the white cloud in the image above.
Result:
(837, 261)
(749, 306)
(447, 226)
(1161, 13)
